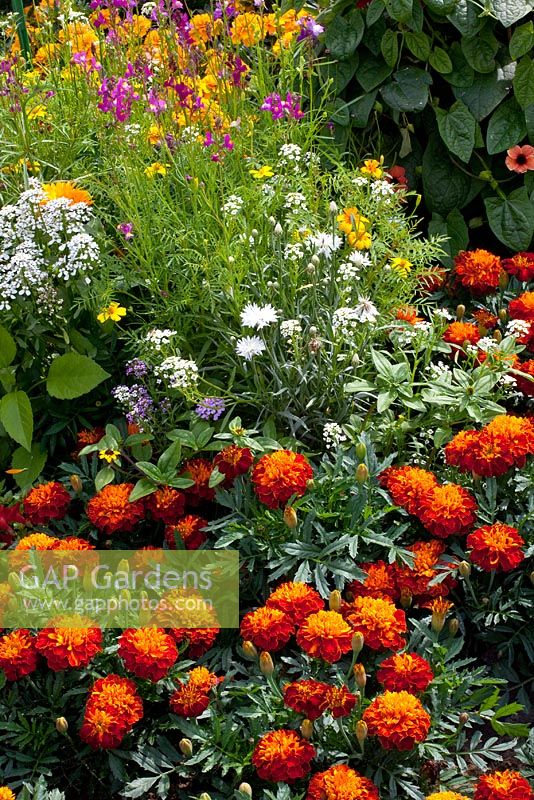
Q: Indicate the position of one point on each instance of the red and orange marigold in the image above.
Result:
(308, 697)
(68, 647)
(198, 470)
(446, 796)
(46, 502)
(73, 543)
(505, 785)
(18, 656)
(280, 475)
(37, 541)
(407, 485)
(340, 701)
(282, 756)
(521, 266)
(415, 580)
(381, 624)
(189, 701)
(148, 653)
(496, 547)
(478, 270)
(296, 600)
(102, 729)
(6, 793)
(199, 640)
(111, 512)
(407, 672)
(447, 510)
(325, 635)
(380, 581)
(526, 384)
(166, 504)
(458, 333)
(522, 307)
(233, 461)
(113, 707)
(190, 529)
(398, 719)
(341, 782)
(502, 444)
(268, 628)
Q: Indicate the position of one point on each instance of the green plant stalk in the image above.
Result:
(22, 31)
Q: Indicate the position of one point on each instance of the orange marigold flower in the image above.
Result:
(268, 628)
(190, 529)
(18, 656)
(506, 785)
(198, 470)
(325, 635)
(296, 600)
(380, 581)
(518, 432)
(502, 444)
(307, 697)
(189, 700)
(202, 678)
(478, 270)
(199, 640)
(280, 475)
(37, 541)
(166, 504)
(408, 314)
(233, 461)
(407, 672)
(459, 332)
(120, 696)
(6, 793)
(447, 510)
(46, 502)
(247, 29)
(398, 719)
(446, 796)
(102, 729)
(496, 547)
(381, 624)
(407, 485)
(282, 756)
(65, 647)
(485, 318)
(148, 653)
(415, 580)
(110, 510)
(341, 782)
(522, 307)
(521, 266)
(73, 543)
(340, 701)
(65, 190)
(526, 385)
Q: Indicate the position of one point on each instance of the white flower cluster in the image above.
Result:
(295, 201)
(233, 205)
(350, 270)
(439, 371)
(382, 189)
(333, 435)
(517, 327)
(41, 242)
(290, 328)
(294, 251)
(347, 319)
(158, 338)
(178, 373)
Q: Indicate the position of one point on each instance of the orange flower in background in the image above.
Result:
(381, 624)
(148, 653)
(86, 437)
(202, 678)
(521, 266)
(325, 635)
(282, 756)
(199, 640)
(6, 793)
(65, 190)
(18, 656)
(341, 782)
(296, 600)
(340, 701)
(522, 307)
(380, 581)
(268, 628)
(73, 543)
(407, 485)
(478, 270)
(502, 444)
(307, 697)
(46, 502)
(198, 470)
(247, 29)
(496, 547)
(233, 461)
(405, 672)
(447, 510)
(520, 159)
(485, 318)
(446, 796)
(68, 648)
(408, 314)
(280, 475)
(457, 333)
(110, 510)
(526, 385)
(190, 529)
(398, 719)
(166, 504)
(506, 785)
(415, 580)
(189, 701)
(37, 541)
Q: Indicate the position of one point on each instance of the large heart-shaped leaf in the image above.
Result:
(17, 417)
(512, 219)
(73, 375)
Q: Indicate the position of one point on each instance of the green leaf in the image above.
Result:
(141, 489)
(170, 457)
(506, 127)
(343, 36)
(8, 348)
(103, 477)
(31, 462)
(17, 418)
(408, 91)
(465, 17)
(372, 71)
(375, 9)
(441, 7)
(440, 60)
(486, 92)
(524, 82)
(338, 73)
(389, 47)
(418, 44)
(529, 119)
(461, 75)
(457, 128)
(512, 219)
(400, 10)
(480, 51)
(522, 40)
(151, 471)
(73, 375)
(510, 11)
(455, 227)
(445, 187)
(361, 109)
(216, 478)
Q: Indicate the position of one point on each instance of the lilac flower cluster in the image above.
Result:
(137, 367)
(210, 408)
(283, 109)
(135, 400)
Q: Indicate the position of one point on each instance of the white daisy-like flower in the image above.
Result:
(249, 346)
(255, 316)
(365, 311)
(324, 244)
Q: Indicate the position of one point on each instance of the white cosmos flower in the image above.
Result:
(365, 311)
(249, 346)
(255, 316)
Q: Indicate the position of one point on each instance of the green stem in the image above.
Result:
(22, 31)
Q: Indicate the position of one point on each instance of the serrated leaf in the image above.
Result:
(457, 128)
(506, 127)
(8, 348)
(73, 375)
(17, 417)
(418, 44)
(440, 61)
(512, 219)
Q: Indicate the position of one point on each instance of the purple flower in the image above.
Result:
(283, 109)
(156, 104)
(210, 408)
(117, 96)
(135, 400)
(126, 228)
(309, 29)
(137, 367)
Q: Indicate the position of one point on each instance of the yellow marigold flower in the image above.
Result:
(38, 112)
(6, 793)
(157, 168)
(47, 54)
(371, 167)
(262, 172)
(247, 29)
(360, 241)
(67, 190)
(113, 312)
(109, 455)
(350, 220)
(402, 266)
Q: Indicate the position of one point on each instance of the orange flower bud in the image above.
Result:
(249, 650)
(290, 517)
(462, 719)
(62, 725)
(76, 483)
(502, 314)
(362, 473)
(357, 643)
(361, 731)
(360, 676)
(306, 728)
(460, 311)
(464, 568)
(405, 598)
(497, 335)
(186, 747)
(266, 664)
(334, 602)
(453, 626)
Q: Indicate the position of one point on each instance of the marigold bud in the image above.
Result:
(497, 335)
(204, 796)
(438, 621)
(306, 728)
(502, 314)
(249, 650)
(334, 601)
(266, 664)
(454, 625)
(245, 788)
(361, 731)
(290, 517)
(464, 568)
(362, 473)
(532, 578)
(360, 676)
(62, 725)
(463, 718)
(503, 280)
(310, 484)
(460, 311)
(361, 451)
(405, 597)
(186, 747)
(358, 641)
(76, 483)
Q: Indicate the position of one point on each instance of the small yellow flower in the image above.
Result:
(299, 234)
(371, 167)
(157, 168)
(113, 312)
(402, 266)
(262, 172)
(38, 112)
(33, 167)
(109, 455)
(360, 240)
